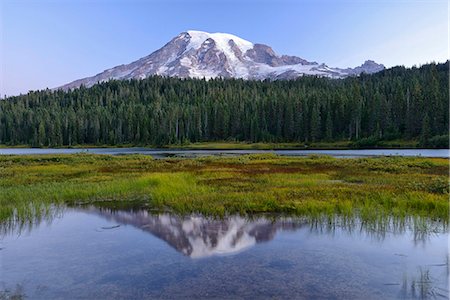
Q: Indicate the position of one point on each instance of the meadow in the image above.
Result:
(372, 188)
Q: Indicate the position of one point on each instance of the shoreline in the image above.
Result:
(221, 145)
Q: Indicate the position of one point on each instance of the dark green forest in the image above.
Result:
(398, 103)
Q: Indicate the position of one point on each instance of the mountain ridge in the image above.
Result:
(199, 54)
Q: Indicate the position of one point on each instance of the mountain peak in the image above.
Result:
(222, 40)
(220, 36)
(370, 62)
(368, 67)
(200, 54)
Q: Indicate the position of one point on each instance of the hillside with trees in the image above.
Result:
(398, 103)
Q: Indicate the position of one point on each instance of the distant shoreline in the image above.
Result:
(225, 145)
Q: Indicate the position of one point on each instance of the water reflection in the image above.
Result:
(422, 285)
(186, 153)
(198, 236)
(98, 253)
(16, 293)
(201, 236)
(20, 223)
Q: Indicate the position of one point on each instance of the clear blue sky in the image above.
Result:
(49, 43)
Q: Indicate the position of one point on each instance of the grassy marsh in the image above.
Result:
(373, 188)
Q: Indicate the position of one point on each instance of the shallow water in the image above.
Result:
(161, 153)
(99, 253)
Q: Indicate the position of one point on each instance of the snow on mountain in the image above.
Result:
(199, 54)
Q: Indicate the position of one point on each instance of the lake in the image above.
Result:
(92, 253)
(162, 153)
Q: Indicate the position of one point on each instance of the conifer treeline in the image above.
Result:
(396, 103)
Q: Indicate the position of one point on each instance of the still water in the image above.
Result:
(162, 153)
(103, 254)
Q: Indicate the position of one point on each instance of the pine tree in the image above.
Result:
(426, 131)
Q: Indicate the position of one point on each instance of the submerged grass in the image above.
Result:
(373, 188)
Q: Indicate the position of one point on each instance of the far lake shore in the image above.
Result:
(242, 145)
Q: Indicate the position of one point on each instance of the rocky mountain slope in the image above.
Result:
(198, 54)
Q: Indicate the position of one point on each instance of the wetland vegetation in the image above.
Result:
(374, 189)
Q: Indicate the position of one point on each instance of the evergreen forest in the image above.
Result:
(397, 103)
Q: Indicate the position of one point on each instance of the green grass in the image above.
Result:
(372, 188)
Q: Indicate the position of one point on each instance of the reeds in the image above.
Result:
(371, 188)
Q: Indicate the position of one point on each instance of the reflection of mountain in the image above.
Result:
(198, 236)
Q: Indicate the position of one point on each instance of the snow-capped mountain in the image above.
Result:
(199, 54)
